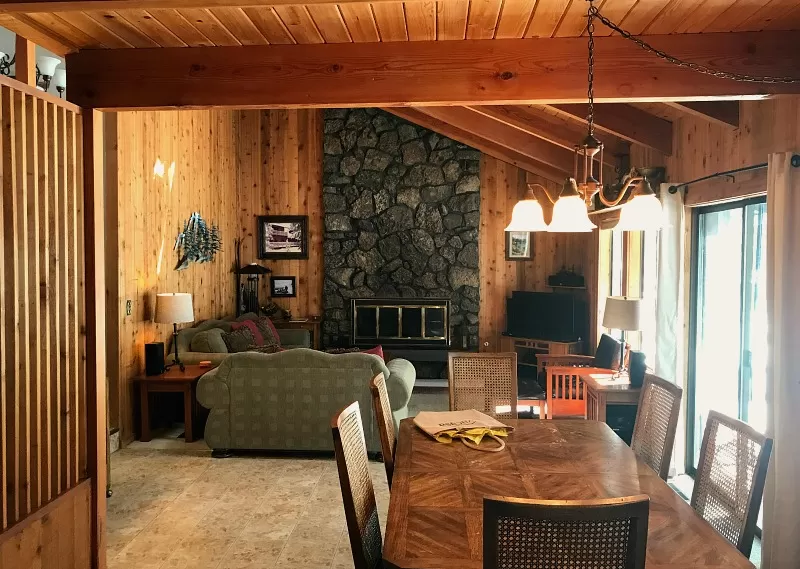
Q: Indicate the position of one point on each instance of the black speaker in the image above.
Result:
(154, 358)
(637, 368)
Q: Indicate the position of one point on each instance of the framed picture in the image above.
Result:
(283, 287)
(282, 236)
(519, 246)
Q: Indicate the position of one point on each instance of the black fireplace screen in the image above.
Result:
(396, 321)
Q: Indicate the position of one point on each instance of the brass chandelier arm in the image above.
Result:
(622, 193)
(546, 193)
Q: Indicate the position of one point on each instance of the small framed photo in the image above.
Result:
(519, 246)
(282, 236)
(283, 287)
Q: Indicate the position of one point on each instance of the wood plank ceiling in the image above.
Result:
(421, 20)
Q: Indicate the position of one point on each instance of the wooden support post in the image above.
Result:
(94, 244)
(26, 61)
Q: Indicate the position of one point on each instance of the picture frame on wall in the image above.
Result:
(282, 236)
(519, 246)
(283, 287)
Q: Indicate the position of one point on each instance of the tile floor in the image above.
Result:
(181, 509)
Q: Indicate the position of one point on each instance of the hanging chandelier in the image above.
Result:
(47, 72)
(640, 208)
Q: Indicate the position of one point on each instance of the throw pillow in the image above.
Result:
(253, 328)
(239, 340)
(376, 351)
(209, 342)
(268, 331)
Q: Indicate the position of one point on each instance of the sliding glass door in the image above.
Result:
(728, 334)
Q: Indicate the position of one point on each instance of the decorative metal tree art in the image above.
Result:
(197, 243)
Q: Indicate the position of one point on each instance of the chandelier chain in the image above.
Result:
(590, 93)
(594, 12)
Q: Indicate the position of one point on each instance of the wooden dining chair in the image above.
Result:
(358, 494)
(385, 420)
(483, 381)
(730, 478)
(553, 534)
(656, 421)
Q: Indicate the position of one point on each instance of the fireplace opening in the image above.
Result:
(401, 322)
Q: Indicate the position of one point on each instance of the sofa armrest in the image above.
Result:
(213, 392)
(295, 337)
(400, 382)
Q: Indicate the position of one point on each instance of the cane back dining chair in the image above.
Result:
(383, 416)
(564, 390)
(554, 534)
(656, 421)
(483, 381)
(729, 483)
(358, 494)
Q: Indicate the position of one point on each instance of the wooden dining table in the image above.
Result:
(435, 516)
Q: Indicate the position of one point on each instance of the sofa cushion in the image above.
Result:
(268, 331)
(209, 342)
(239, 340)
(259, 338)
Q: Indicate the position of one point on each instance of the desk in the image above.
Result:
(436, 510)
(601, 393)
(312, 324)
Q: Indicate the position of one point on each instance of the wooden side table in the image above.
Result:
(601, 392)
(313, 324)
(171, 381)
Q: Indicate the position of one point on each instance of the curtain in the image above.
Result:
(781, 543)
(669, 302)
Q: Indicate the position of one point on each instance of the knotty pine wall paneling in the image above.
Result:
(280, 173)
(152, 206)
(502, 185)
(43, 431)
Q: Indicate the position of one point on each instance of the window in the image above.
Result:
(633, 272)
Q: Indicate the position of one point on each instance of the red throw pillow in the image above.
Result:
(376, 351)
(259, 338)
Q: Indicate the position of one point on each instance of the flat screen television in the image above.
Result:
(558, 317)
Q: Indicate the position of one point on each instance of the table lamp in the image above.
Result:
(623, 313)
(174, 308)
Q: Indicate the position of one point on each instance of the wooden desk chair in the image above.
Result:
(483, 381)
(656, 421)
(358, 494)
(564, 389)
(553, 534)
(383, 416)
(730, 478)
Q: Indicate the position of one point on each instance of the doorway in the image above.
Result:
(728, 331)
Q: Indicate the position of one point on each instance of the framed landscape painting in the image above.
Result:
(282, 237)
(519, 246)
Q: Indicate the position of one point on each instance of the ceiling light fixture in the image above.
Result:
(46, 71)
(528, 214)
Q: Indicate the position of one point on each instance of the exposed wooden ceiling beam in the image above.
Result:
(555, 129)
(424, 73)
(724, 113)
(626, 122)
(31, 30)
(32, 6)
(477, 142)
(498, 133)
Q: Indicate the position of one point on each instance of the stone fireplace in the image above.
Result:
(402, 213)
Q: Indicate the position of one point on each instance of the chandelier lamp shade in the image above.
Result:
(528, 214)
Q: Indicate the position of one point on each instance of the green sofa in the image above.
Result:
(289, 339)
(285, 401)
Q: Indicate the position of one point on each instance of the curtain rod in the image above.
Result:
(685, 185)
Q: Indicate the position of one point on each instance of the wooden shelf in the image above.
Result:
(567, 287)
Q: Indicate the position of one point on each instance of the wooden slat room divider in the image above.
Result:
(43, 395)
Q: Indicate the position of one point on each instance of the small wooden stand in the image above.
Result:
(312, 324)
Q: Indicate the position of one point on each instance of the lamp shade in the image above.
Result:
(570, 216)
(174, 308)
(47, 65)
(527, 215)
(622, 313)
(641, 213)
(60, 78)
